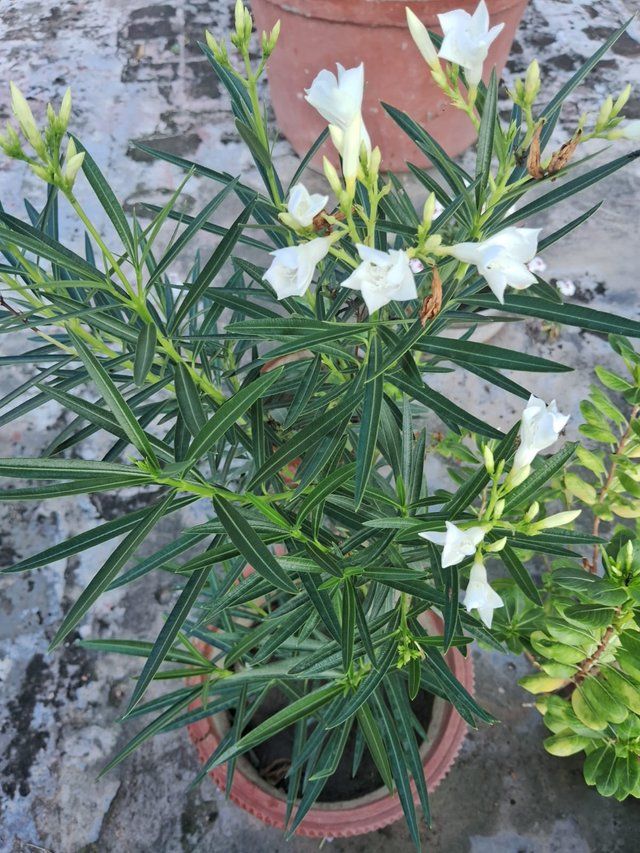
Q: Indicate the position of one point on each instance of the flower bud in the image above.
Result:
(428, 211)
(496, 546)
(621, 100)
(65, 110)
(532, 512)
(72, 166)
(27, 123)
(332, 176)
(489, 462)
(269, 41)
(557, 520)
(42, 172)
(10, 143)
(375, 158)
(605, 113)
(499, 509)
(532, 82)
(421, 37)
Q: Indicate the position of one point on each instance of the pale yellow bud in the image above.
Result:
(489, 462)
(621, 100)
(65, 110)
(532, 512)
(499, 508)
(605, 112)
(10, 142)
(496, 546)
(557, 520)
(72, 167)
(374, 161)
(239, 18)
(23, 114)
(42, 172)
(332, 176)
(428, 210)
(532, 82)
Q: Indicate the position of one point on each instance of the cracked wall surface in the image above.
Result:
(137, 74)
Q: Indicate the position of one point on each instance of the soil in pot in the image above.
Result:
(272, 758)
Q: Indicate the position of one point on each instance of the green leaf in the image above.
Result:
(68, 469)
(599, 770)
(567, 314)
(308, 157)
(213, 266)
(107, 198)
(348, 623)
(519, 574)
(484, 151)
(194, 225)
(110, 569)
(189, 402)
(145, 352)
(114, 399)
(594, 615)
(304, 392)
(566, 744)
(229, 412)
(302, 708)
(370, 422)
(487, 355)
(448, 411)
(249, 544)
(168, 634)
(375, 744)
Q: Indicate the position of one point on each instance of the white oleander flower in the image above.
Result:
(503, 258)
(291, 271)
(537, 266)
(382, 277)
(303, 206)
(480, 595)
(338, 99)
(467, 39)
(540, 427)
(457, 544)
(631, 130)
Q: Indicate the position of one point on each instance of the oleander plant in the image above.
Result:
(282, 378)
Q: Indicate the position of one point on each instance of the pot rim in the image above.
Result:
(381, 13)
(369, 812)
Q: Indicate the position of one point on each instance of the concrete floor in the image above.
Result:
(136, 75)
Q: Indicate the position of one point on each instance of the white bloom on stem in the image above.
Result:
(382, 277)
(503, 258)
(457, 543)
(467, 39)
(480, 595)
(540, 427)
(420, 35)
(631, 130)
(292, 268)
(338, 99)
(566, 286)
(303, 206)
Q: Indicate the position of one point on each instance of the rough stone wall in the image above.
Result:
(137, 74)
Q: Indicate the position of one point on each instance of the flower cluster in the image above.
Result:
(540, 427)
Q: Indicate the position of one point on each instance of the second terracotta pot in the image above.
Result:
(318, 33)
(374, 811)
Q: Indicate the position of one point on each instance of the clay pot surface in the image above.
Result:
(371, 812)
(318, 33)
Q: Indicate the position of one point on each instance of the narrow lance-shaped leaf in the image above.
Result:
(370, 422)
(110, 569)
(251, 546)
(145, 352)
(114, 399)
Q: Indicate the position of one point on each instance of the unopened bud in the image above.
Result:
(557, 520)
(517, 476)
(239, 18)
(499, 508)
(532, 82)
(421, 37)
(42, 172)
(605, 113)
(532, 512)
(374, 161)
(428, 211)
(72, 166)
(496, 546)
(621, 100)
(489, 462)
(23, 114)
(65, 110)
(332, 176)
(10, 143)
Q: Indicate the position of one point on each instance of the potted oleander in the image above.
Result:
(316, 34)
(318, 643)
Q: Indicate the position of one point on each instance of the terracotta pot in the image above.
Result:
(373, 811)
(318, 33)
